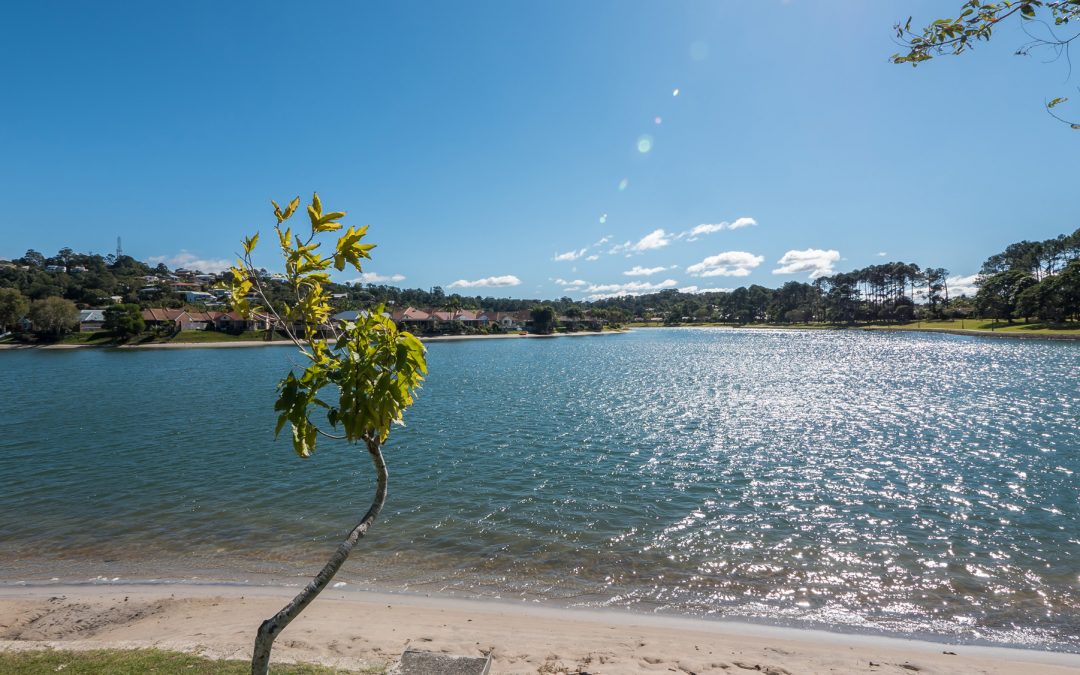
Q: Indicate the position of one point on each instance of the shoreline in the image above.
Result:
(356, 628)
(287, 343)
(893, 329)
(978, 333)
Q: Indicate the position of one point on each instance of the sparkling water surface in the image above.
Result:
(891, 483)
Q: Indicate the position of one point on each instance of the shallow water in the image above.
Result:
(898, 483)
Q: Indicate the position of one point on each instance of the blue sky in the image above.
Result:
(483, 140)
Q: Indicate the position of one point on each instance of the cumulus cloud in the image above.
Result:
(191, 261)
(572, 286)
(726, 264)
(570, 255)
(658, 238)
(601, 291)
(815, 261)
(709, 228)
(960, 285)
(487, 282)
(695, 290)
(639, 271)
(375, 277)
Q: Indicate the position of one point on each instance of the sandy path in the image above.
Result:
(345, 628)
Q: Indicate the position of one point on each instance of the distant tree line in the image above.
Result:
(1028, 280)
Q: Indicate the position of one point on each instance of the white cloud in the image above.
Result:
(487, 282)
(709, 228)
(726, 264)
(882, 254)
(375, 277)
(601, 291)
(639, 271)
(190, 261)
(959, 285)
(813, 260)
(570, 255)
(658, 238)
(580, 253)
(571, 286)
(695, 289)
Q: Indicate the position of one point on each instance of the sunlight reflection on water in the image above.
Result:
(916, 483)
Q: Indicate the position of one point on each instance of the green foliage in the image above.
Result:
(976, 23)
(13, 306)
(124, 320)
(544, 318)
(53, 316)
(373, 368)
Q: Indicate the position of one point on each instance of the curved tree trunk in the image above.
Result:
(272, 627)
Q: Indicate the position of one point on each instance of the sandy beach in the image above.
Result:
(356, 629)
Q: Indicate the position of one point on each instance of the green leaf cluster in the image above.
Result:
(373, 368)
(977, 21)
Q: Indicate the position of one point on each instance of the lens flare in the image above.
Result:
(658, 120)
(699, 50)
(603, 219)
(675, 92)
(623, 184)
(644, 144)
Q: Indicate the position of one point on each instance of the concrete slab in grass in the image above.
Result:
(416, 662)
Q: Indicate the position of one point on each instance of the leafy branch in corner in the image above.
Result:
(1051, 25)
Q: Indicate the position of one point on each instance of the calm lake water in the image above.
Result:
(900, 483)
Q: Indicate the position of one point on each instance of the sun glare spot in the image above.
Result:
(623, 184)
(644, 144)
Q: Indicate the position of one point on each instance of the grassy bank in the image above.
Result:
(139, 661)
(989, 326)
(107, 339)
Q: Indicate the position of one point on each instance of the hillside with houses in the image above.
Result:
(44, 299)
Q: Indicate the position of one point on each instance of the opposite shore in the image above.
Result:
(1007, 334)
(362, 629)
(288, 343)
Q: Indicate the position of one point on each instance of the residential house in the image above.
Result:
(157, 317)
(91, 320)
(198, 296)
(414, 320)
(229, 322)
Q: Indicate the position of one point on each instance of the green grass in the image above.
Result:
(197, 336)
(987, 325)
(138, 661)
(102, 337)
